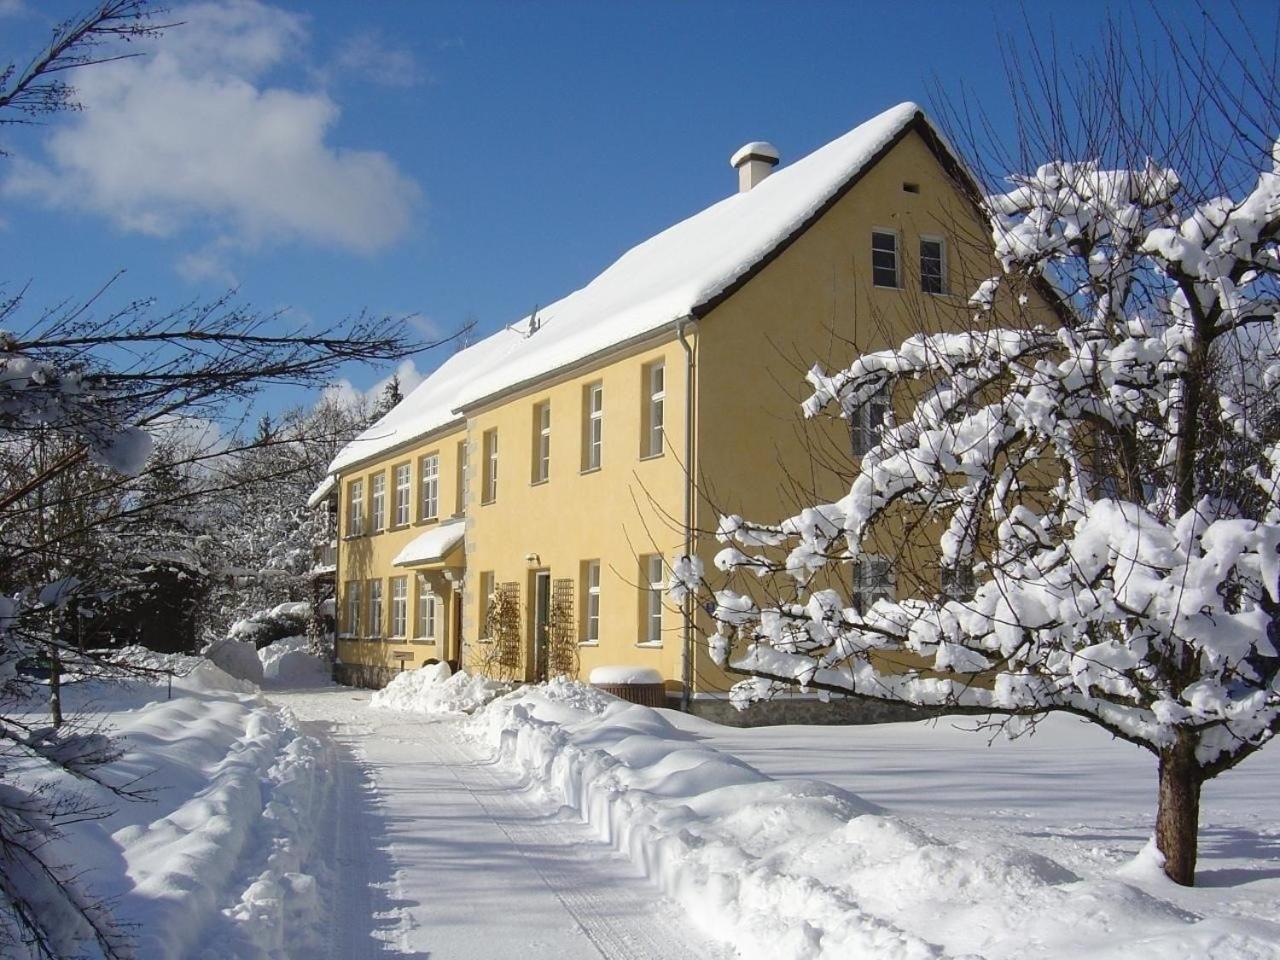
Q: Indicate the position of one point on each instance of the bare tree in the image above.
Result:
(84, 387)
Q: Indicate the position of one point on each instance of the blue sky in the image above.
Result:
(448, 160)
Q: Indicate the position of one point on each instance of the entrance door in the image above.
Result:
(541, 622)
(455, 630)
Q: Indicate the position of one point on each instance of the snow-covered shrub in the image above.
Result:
(268, 626)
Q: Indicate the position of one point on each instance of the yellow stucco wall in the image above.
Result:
(814, 302)
(368, 556)
(628, 508)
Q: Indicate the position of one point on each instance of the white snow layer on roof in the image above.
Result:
(652, 284)
(430, 546)
(321, 492)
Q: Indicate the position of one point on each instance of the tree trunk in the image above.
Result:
(55, 688)
(1178, 813)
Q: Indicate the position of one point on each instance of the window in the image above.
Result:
(884, 258)
(655, 394)
(868, 422)
(593, 426)
(428, 610)
(353, 608)
(375, 608)
(460, 479)
(355, 508)
(591, 615)
(932, 266)
(487, 586)
(404, 494)
(490, 467)
(958, 582)
(378, 501)
(429, 477)
(872, 581)
(651, 570)
(541, 441)
(399, 606)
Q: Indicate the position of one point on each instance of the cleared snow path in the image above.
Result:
(438, 854)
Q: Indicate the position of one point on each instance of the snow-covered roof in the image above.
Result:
(653, 284)
(321, 493)
(431, 546)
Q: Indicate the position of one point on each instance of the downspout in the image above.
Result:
(686, 605)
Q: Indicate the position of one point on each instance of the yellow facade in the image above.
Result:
(366, 551)
(571, 471)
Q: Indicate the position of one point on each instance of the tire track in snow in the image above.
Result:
(571, 868)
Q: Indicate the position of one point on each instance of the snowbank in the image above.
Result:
(432, 690)
(801, 869)
(290, 663)
(620, 675)
(239, 658)
(219, 862)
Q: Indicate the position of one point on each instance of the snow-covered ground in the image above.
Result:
(935, 846)
(226, 857)
(557, 822)
(445, 854)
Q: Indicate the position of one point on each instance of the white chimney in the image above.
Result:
(754, 162)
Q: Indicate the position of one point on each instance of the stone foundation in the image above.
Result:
(847, 711)
(363, 675)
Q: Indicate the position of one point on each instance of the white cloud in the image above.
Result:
(192, 136)
(344, 393)
(12, 8)
(370, 57)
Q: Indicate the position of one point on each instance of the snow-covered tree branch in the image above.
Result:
(1102, 497)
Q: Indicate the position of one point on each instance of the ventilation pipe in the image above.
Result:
(754, 162)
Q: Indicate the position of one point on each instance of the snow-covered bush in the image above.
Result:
(268, 626)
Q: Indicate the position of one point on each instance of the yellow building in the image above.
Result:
(518, 510)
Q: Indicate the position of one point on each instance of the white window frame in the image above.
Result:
(490, 493)
(653, 600)
(591, 619)
(425, 623)
(354, 608)
(375, 609)
(355, 508)
(542, 442)
(942, 264)
(656, 386)
(399, 607)
(867, 425)
(897, 257)
(404, 493)
(429, 482)
(378, 501)
(593, 428)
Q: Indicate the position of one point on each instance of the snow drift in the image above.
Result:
(433, 690)
(222, 861)
(802, 869)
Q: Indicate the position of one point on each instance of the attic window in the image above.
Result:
(910, 187)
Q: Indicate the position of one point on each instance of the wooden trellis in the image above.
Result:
(500, 658)
(562, 653)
